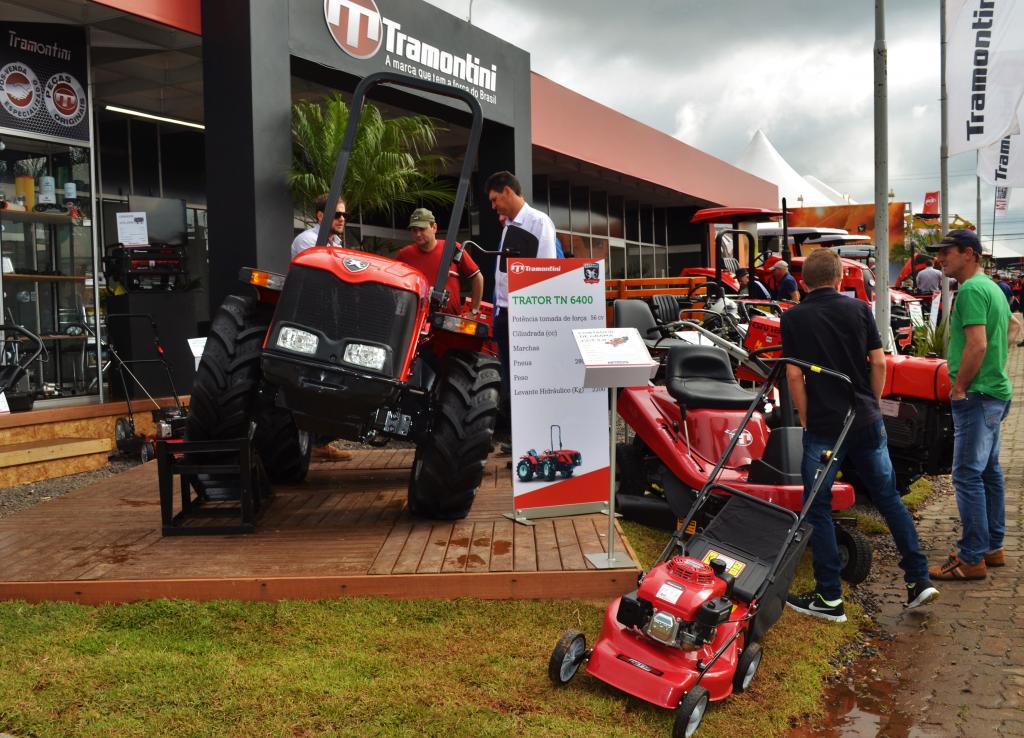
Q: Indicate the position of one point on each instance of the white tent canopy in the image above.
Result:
(762, 160)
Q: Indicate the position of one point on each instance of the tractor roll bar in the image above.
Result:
(355, 113)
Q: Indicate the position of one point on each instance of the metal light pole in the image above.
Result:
(943, 152)
(882, 319)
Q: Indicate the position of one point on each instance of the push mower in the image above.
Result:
(690, 633)
(546, 465)
(11, 374)
(169, 421)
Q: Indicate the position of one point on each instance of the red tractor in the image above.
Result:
(546, 465)
(357, 346)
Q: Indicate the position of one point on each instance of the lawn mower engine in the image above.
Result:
(680, 603)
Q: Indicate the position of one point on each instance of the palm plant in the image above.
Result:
(930, 340)
(391, 162)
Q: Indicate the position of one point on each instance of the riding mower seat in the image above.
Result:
(637, 314)
(702, 377)
(666, 308)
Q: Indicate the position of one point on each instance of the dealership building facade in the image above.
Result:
(190, 102)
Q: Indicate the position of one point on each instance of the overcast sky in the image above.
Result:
(711, 72)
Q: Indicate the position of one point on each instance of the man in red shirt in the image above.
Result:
(424, 253)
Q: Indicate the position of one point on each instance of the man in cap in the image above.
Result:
(785, 283)
(980, 400)
(425, 253)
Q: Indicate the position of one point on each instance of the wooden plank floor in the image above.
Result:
(344, 531)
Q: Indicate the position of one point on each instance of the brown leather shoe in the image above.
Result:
(995, 558)
(953, 569)
(330, 453)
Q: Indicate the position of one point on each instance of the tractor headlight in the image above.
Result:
(372, 357)
(293, 339)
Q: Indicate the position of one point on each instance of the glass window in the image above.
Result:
(650, 266)
(540, 193)
(634, 266)
(113, 152)
(616, 260)
(559, 193)
(183, 164)
(647, 225)
(599, 213)
(581, 209)
(632, 221)
(616, 227)
(660, 232)
(599, 248)
(145, 163)
(579, 247)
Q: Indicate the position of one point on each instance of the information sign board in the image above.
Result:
(560, 458)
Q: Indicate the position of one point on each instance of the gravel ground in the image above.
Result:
(13, 499)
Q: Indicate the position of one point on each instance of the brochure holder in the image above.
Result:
(613, 358)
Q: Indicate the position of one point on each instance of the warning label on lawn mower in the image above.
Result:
(732, 566)
(559, 428)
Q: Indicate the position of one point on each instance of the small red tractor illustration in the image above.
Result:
(546, 465)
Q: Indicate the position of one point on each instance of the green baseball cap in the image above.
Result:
(421, 218)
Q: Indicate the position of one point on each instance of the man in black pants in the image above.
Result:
(836, 331)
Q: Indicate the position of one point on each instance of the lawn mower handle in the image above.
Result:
(22, 364)
(438, 292)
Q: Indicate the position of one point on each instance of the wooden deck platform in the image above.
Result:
(343, 532)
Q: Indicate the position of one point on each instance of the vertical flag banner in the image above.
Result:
(1002, 163)
(984, 71)
(1002, 200)
(931, 203)
(559, 429)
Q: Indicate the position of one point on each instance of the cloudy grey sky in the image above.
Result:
(711, 72)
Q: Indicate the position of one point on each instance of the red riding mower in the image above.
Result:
(546, 465)
(681, 427)
(690, 633)
(358, 346)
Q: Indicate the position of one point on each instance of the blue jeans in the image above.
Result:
(977, 478)
(868, 448)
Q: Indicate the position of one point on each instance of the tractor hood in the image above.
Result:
(360, 267)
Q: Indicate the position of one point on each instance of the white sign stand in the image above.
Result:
(613, 358)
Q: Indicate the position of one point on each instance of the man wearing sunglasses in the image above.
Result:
(323, 448)
(307, 239)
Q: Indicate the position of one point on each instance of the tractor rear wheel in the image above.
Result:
(449, 462)
(227, 384)
(525, 470)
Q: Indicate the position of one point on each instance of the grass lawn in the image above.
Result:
(366, 667)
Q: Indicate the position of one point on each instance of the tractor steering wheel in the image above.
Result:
(706, 286)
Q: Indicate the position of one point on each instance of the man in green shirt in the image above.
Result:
(980, 400)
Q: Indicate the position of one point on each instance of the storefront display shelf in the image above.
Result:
(43, 277)
(21, 216)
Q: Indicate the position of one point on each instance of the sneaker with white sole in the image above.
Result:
(920, 593)
(816, 606)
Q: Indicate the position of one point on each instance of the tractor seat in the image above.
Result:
(637, 314)
(701, 377)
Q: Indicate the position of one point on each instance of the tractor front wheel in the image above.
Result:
(282, 447)
(227, 383)
(449, 461)
(547, 470)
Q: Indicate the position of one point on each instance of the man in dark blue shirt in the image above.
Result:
(836, 331)
(785, 283)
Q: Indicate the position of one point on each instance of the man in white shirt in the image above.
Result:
(929, 280)
(307, 239)
(506, 197)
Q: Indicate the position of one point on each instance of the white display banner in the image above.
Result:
(560, 429)
(132, 229)
(984, 71)
(1002, 163)
(1002, 201)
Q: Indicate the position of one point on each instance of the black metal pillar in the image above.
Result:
(247, 102)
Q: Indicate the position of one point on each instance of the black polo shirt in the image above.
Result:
(837, 332)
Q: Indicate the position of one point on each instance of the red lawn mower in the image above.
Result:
(689, 634)
(546, 465)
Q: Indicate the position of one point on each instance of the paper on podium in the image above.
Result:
(614, 357)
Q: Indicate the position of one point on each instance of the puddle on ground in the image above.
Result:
(866, 703)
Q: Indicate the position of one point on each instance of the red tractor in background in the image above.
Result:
(357, 346)
(553, 461)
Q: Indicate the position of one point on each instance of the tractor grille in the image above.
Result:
(342, 311)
